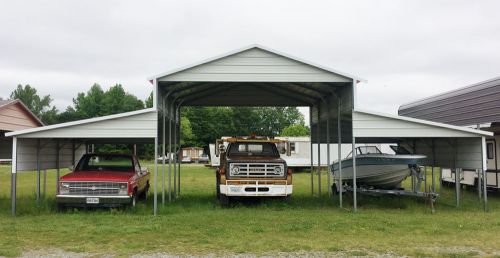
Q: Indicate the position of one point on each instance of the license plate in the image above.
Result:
(234, 189)
(92, 200)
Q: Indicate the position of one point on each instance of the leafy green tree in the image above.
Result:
(187, 136)
(296, 130)
(90, 104)
(40, 106)
(116, 100)
(97, 102)
(274, 119)
(210, 123)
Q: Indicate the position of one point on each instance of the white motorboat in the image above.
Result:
(375, 169)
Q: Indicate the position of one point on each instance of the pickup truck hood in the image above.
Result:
(112, 176)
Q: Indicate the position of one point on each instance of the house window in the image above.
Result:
(490, 151)
(293, 148)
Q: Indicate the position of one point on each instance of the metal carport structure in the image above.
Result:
(61, 145)
(446, 146)
(252, 76)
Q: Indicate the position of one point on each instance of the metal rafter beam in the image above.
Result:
(306, 102)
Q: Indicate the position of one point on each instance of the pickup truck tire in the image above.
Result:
(144, 194)
(60, 207)
(224, 201)
(135, 198)
(288, 199)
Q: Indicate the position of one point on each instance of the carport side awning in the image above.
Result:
(129, 125)
(444, 145)
(368, 124)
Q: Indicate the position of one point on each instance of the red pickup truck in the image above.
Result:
(105, 180)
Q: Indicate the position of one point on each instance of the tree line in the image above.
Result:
(200, 125)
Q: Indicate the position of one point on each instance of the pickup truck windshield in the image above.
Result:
(99, 162)
(253, 149)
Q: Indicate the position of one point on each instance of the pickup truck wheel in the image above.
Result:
(224, 201)
(60, 207)
(134, 198)
(144, 194)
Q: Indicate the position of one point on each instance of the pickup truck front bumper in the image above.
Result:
(93, 201)
(258, 188)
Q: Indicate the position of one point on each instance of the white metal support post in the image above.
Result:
(155, 186)
(179, 148)
(485, 182)
(328, 176)
(319, 150)
(433, 166)
(13, 183)
(174, 112)
(58, 169)
(38, 171)
(311, 147)
(170, 154)
(458, 172)
(339, 146)
(354, 174)
(163, 156)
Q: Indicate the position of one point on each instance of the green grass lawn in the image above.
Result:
(195, 224)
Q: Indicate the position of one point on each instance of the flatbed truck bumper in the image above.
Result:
(255, 188)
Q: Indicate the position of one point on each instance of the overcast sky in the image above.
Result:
(406, 50)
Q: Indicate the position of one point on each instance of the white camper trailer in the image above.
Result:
(469, 177)
(301, 152)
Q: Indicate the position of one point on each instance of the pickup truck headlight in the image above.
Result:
(278, 170)
(63, 188)
(123, 190)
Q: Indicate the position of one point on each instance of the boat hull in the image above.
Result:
(378, 171)
(378, 176)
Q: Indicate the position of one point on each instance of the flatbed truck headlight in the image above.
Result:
(235, 170)
(277, 170)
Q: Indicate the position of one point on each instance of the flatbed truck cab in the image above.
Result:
(252, 167)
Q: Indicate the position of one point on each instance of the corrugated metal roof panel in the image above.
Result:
(470, 105)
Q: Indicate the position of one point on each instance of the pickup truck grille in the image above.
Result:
(256, 169)
(94, 188)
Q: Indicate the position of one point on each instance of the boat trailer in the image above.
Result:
(417, 177)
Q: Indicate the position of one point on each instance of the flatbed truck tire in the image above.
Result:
(224, 201)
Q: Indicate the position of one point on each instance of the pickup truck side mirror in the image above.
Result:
(288, 149)
(71, 168)
(143, 171)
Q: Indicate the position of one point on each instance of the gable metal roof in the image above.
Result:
(253, 46)
(474, 104)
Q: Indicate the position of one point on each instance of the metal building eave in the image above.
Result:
(20, 133)
(426, 122)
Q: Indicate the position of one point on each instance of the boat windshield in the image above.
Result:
(363, 150)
